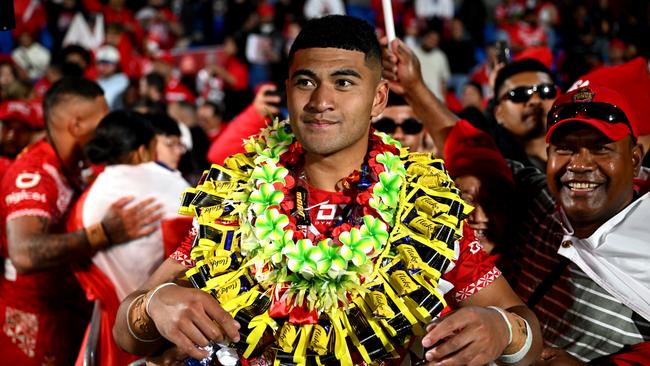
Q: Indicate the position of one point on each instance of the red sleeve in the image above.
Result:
(30, 191)
(229, 142)
(182, 253)
(473, 270)
(239, 72)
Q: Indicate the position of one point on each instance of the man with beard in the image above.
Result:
(524, 92)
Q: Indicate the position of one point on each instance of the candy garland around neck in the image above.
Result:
(364, 290)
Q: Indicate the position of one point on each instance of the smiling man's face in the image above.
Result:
(590, 175)
(332, 94)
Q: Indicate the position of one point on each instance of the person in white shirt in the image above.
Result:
(111, 79)
(126, 143)
(435, 67)
(31, 56)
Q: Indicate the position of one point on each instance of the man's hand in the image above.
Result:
(469, 336)
(265, 104)
(124, 224)
(189, 317)
(552, 356)
(401, 68)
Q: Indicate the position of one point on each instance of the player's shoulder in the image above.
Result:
(35, 163)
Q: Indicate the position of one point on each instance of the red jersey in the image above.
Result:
(41, 313)
(4, 165)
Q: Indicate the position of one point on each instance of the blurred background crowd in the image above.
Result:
(202, 61)
(205, 74)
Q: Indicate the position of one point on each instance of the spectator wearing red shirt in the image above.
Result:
(248, 123)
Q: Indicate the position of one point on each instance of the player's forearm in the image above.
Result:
(34, 249)
(436, 117)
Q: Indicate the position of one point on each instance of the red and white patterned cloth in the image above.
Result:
(42, 314)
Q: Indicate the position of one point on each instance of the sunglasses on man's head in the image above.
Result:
(597, 110)
(522, 94)
(409, 126)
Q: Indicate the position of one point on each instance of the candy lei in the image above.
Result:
(325, 272)
(312, 299)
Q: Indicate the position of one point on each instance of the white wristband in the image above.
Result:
(519, 355)
(505, 318)
(154, 292)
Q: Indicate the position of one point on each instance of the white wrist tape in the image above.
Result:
(521, 353)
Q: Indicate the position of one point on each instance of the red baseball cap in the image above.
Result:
(632, 81)
(19, 111)
(601, 108)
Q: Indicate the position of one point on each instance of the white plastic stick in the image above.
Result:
(388, 20)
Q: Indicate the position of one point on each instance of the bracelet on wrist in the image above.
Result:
(149, 295)
(139, 323)
(97, 237)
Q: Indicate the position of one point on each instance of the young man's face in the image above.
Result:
(590, 175)
(525, 120)
(332, 94)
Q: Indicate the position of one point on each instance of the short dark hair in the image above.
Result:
(69, 86)
(476, 85)
(518, 67)
(155, 80)
(217, 109)
(118, 134)
(74, 48)
(163, 124)
(338, 31)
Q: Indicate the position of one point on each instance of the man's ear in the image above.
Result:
(381, 99)
(74, 126)
(498, 113)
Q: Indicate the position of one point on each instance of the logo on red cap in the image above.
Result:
(584, 95)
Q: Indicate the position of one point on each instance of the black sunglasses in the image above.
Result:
(597, 110)
(522, 94)
(409, 126)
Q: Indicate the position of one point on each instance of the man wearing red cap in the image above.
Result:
(582, 261)
(17, 129)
